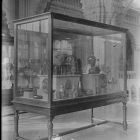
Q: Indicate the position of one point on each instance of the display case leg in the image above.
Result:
(92, 117)
(50, 128)
(16, 119)
(124, 116)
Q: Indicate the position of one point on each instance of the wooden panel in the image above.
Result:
(89, 99)
(58, 110)
(88, 22)
(32, 109)
(32, 102)
(71, 105)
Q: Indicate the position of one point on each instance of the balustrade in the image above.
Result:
(133, 86)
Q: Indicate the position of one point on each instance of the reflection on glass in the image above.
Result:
(33, 61)
(85, 65)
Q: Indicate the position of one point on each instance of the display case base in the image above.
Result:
(50, 113)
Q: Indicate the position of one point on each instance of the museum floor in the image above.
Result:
(33, 126)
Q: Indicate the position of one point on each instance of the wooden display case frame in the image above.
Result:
(53, 108)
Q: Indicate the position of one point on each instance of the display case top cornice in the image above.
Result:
(71, 19)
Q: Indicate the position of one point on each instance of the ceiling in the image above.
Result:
(136, 4)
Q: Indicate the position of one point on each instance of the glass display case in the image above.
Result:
(65, 64)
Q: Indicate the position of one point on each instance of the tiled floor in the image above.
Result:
(34, 126)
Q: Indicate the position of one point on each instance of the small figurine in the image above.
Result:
(97, 67)
(93, 65)
(61, 92)
(68, 89)
(79, 89)
(54, 95)
(74, 91)
(92, 62)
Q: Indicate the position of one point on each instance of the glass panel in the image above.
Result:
(32, 60)
(108, 51)
(85, 62)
